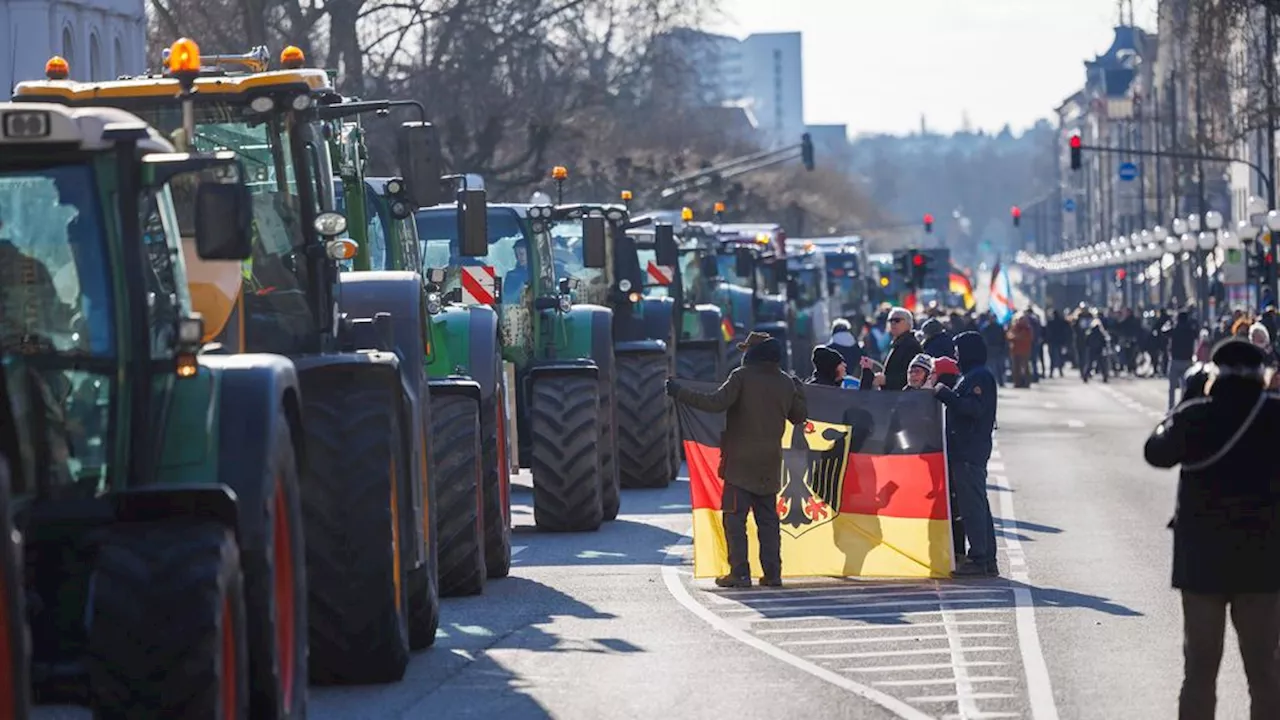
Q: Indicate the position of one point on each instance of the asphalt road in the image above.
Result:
(611, 625)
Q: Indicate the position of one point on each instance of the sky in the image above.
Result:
(878, 65)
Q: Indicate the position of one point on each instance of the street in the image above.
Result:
(587, 626)
(611, 625)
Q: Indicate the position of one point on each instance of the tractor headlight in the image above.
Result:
(565, 303)
(394, 186)
(433, 303)
(624, 285)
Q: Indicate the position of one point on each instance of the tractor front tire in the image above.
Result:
(610, 487)
(351, 504)
(167, 627)
(564, 413)
(497, 478)
(459, 495)
(699, 365)
(644, 427)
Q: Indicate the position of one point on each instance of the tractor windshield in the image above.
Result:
(808, 285)
(567, 253)
(508, 249)
(279, 319)
(57, 319)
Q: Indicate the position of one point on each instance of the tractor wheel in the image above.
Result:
(610, 488)
(564, 413)
(358, 620)
(644, 428)
(15, 652)
(497, 482)
(699, 365)
(275, 587)
(167, 627)
(455, 423)
(424, 582)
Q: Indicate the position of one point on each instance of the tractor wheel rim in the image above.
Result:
(284, 587)
(229, 673)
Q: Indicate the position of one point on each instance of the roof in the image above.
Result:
(46, 123)
(160, 86)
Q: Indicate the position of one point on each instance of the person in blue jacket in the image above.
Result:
(971, 420)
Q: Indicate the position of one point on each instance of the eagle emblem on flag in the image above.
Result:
(815, 458)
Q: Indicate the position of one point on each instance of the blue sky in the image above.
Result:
(878, 65)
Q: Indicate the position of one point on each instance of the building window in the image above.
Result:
(95, 57)
(68, 48)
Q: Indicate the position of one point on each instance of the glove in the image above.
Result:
(673, 387)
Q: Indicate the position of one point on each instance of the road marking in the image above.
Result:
(677, 589)
(1039, 687)
(1075, 424)
(929, 666)
(938, 681)
(899, 653)
(968, 705)
(1051, 405)
(998, 608)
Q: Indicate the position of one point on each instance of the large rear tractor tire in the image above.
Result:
(15, 643)
(564, 413)
(697, 364)
(610, 487)
(167, 627)
(357, 610)
(497, 482)
(459, 497)
(644, 421)
(424, 581)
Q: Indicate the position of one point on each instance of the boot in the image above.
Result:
(729, 581)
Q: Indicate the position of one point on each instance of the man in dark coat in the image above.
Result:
(828, 367)
(1226, 528)
(758, 399)
(1180, 338)
(971, 419)
(937, 343)
(902, 350)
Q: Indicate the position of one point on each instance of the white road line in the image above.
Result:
(897, 653)
(937, 681)
(999, 609)
(1075, 424)
(1039, 687)
(929, 666)
(853, 597)
(968, 705)
(999, 605)
(890, 638)
(677, 589)
(954, 698)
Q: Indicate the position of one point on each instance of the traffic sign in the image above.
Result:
(1069, 205)
(1128, 171)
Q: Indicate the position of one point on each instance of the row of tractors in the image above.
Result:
(261, 408)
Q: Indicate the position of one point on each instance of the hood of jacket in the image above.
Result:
(971, 351)
(844, 337)
(769, 351)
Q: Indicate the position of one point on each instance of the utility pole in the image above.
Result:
(1270, 65)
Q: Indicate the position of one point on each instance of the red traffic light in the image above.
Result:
(1075, 142)
(917, 260)
(1016, 212)
(1120, 273)
(928, 218)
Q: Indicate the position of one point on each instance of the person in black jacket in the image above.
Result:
(1180, 338)
(937, 342)
(828, 367)
(971, 419)
(1226, 528)
(902, 350)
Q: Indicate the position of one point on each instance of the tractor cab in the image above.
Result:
(807, 291)
(755, 256)
(847, 277)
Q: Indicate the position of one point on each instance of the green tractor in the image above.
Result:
(155, 485)
(365, 479)
(807, 289)
(472, 501)
(550, 289)
(754, 258)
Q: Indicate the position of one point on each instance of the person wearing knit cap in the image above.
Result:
(1226, 527)
(829, 367)
(937, 343)
(918, 371)
(946, 371)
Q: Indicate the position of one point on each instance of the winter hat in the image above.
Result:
(1234, 356)
(922, 361)
(753, 340)
(944, 366)
(932, 327)
(841, 325)
(826, 360)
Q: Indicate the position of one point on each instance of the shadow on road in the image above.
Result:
(620, 542)
(469, 672)
(1033, 527)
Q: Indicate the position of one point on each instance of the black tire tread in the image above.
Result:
(610, 484)
(497, 513)
(699, 365)
(644, 421)
(455, 422)
(357, 633)
(155, 635)
(565, 459)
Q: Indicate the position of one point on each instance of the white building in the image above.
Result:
(100, 39)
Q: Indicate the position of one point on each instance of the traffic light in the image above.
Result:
(806, 151)
(902, 267)
(928, 222)
(1075, 152)
(919, 269)
(1120, 276)
(1016, 212)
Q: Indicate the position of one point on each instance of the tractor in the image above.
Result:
(154, 483)
(551, 292)
(847, 281)
(366, 490)
(807, 289)
(754, 256)
(472, 495)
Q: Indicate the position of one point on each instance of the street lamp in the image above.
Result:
(1229, 240)
(1179, 227)
(1257, 206)
(1193, 222)
(1188, 242)
(1206, 241)
(1213, 220)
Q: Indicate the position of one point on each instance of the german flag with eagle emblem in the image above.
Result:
(864, 487)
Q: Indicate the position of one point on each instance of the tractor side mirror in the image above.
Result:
(709, 267)
(593, 242)
(224, 222)
(473, 223)
(664, 245)
(421, 163)
(743, 263)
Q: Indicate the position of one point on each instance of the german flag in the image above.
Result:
(726, 329)
(864, 487)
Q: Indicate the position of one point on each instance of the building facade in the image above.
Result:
(100, 39)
